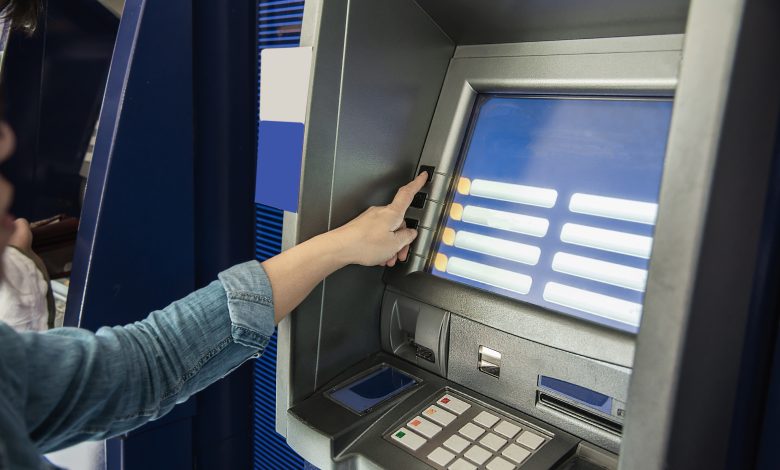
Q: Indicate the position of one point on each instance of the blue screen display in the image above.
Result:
(371, 390)
(555, 203)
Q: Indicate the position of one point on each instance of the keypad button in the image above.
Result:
(507, 429)
(442, 417)
(499, 464)
(492, 442)
(456, 443)
(486, 419)
(477, 454)
(515, 453)
(424, 427)
(453, 404)
(461, 464)
(472, 431)
(408, 439)
(530, 440)
(441, 456)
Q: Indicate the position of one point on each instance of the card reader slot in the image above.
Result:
(578, 412)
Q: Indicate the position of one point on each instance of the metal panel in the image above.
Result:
(378, 69)
(522, 361)
(711, 212)
(592, 67)
(504, 21)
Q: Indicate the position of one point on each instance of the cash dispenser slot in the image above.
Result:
(416, 332)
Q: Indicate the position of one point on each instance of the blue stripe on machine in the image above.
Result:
(280, 148)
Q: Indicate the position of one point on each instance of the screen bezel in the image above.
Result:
(645, 70)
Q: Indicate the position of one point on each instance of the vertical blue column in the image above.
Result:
(278, 25)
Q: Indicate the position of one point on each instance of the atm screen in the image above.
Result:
(555, 203)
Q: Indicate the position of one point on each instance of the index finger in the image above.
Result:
(403, 198)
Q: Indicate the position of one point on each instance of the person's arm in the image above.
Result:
(377, 237)
(70, 385)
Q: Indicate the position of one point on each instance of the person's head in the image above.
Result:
(23, 14)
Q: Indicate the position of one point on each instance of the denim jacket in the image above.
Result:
(69, 385)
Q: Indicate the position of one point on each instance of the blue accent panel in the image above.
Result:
(280, 148)
(268, 232)
(604, 147)
(270, 450)
(585, 396)
(369, 391)
(141, 184)
(135, 248)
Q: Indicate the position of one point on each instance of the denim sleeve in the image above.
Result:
(74, 385)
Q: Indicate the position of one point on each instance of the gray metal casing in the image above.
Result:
(378, 73)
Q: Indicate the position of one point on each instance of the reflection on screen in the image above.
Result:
(556, 202)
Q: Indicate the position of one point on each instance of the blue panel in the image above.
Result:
(587, 397)
(280, 147)
(604, 147)
(135, 248)
(140, 187)
(373, 389)
(283, 18)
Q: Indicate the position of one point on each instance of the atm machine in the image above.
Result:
(587, 259)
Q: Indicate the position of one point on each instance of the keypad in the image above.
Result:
(455, 433)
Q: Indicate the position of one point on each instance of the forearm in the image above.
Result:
(115, 380)
(295, 272)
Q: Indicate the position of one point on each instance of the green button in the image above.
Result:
(400, 434)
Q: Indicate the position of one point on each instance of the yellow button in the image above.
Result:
(464, 186)
(456, 211)
(440, 263)
(448, 236)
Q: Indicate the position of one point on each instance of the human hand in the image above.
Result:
(22, 237)
(378, 236)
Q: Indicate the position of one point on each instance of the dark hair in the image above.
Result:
(23, 14)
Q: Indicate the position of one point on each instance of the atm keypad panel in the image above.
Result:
(456, 433)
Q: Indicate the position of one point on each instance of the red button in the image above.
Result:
(445, 400)
(416, 422)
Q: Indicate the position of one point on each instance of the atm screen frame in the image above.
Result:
(645, 67)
